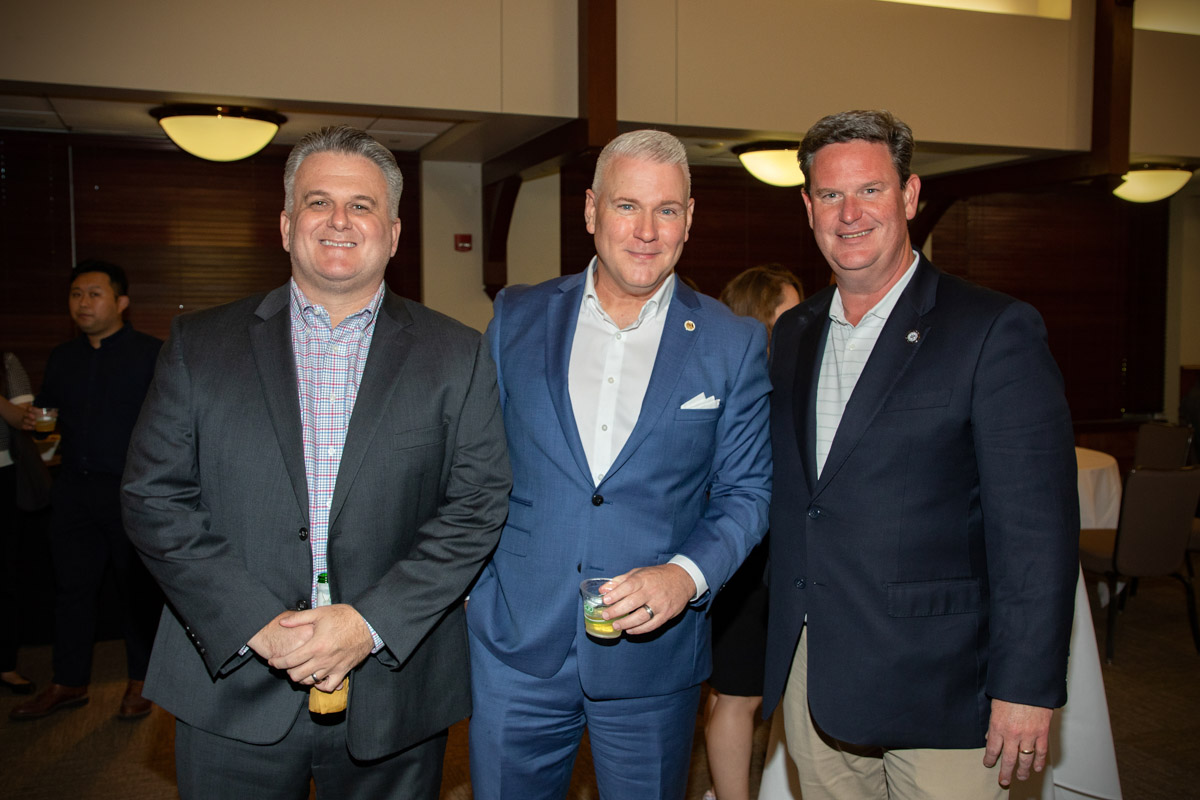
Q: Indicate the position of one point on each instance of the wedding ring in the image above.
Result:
(315, 678)
(649, 610)
(1025, 752)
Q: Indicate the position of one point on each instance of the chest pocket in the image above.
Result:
(913, 401)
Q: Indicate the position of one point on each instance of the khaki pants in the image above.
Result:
(834, 770)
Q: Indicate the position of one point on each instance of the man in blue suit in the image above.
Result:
(924, 554)
(636, 415)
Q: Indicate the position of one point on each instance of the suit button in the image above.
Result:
(799, 583)
(302, 604)
(303, 534)
(814, 512)
(597, 499)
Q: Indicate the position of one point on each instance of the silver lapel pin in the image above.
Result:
(912, 337)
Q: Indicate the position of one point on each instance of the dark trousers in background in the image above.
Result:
(86, 539)
(9, 530)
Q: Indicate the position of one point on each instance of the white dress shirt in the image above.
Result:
(609, 371)
(847, 349)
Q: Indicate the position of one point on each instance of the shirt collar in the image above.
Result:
(115, 337)
(305, 311)
(883, 309)
(650, 309)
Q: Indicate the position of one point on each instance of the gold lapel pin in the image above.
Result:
(689, 326)
(913, 337)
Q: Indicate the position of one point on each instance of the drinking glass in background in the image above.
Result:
(44, 422)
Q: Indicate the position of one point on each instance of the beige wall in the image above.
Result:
(955, 76)
(768, 65)
(1185, 244)
(513, 56)
(452, 282)
(1015, 81)
(1166, 120)
(451, 203)
(533, 239)
(1182, 346)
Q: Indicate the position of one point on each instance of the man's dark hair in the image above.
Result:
(116, 275)
(868, 126)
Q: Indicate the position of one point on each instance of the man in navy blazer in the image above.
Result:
(636, 415)
(924, 551)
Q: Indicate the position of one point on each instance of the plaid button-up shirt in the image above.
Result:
(329, 369)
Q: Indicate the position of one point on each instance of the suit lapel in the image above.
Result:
(892, 354)
(810, 348)
(390, 347)
(674, 349)
(562, 314)
(271, 344)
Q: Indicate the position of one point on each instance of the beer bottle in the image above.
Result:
(320, 702)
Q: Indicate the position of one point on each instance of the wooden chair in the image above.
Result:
(1150, 540)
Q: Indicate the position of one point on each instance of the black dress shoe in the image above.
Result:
(28, 687)
(54, 697)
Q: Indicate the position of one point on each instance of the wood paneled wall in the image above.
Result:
(1096, 269)
(189, 233)
(1093, 265)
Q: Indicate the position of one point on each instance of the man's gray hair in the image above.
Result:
(867, 126)
(348, 141)
(658, 147)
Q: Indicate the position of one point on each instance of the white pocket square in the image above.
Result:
(700, 402)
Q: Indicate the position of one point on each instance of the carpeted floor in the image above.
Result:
(86, 754)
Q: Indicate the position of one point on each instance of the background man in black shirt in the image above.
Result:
(97, 381)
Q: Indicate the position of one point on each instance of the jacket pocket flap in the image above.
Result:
(419, 437)
(933, 598)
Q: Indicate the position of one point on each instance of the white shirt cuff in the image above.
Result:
(690, 568)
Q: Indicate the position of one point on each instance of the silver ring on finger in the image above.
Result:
(649, 610)
(315, 678)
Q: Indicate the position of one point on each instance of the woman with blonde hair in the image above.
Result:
(739, 613)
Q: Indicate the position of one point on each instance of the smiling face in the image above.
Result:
(640, 221)
(95, 305)
(859, 214)
(340, 231)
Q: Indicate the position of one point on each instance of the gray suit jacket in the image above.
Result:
(216, 501)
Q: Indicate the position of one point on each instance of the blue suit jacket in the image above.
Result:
(689, 482)
(936, 556)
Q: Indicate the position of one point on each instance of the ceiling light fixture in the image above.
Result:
(771, 162)
(1149, 183)
(219, 133)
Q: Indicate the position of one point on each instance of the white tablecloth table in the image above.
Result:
(1083, 763)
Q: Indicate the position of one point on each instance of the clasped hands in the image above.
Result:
(666, 589)
(325, 643)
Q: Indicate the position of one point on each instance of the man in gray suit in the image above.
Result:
(327, 427)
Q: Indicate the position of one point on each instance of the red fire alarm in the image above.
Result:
(462, 242)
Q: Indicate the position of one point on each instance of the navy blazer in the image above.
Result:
(936, 557)
(695, 482)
